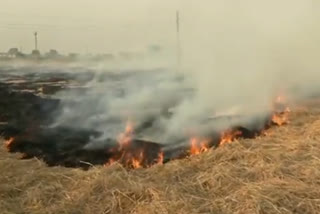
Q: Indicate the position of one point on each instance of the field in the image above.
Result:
(276, 173)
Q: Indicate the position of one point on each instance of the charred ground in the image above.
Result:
(26, 129)
(27, 111)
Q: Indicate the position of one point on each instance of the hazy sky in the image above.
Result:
(115, 25)
(75, 25)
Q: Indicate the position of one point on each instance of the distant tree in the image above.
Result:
(35, 53)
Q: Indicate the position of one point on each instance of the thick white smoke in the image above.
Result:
(236, 57)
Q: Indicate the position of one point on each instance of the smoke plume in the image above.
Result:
(236, 58)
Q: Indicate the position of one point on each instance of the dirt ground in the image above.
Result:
(277, 173)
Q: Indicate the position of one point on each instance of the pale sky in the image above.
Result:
(119, 25)
(75, 25)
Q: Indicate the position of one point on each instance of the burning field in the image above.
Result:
(223, 120)
(69, 149)
(38, 119)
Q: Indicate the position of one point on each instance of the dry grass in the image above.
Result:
(279, 173)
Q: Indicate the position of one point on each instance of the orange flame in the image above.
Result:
(136, 163)
(282, 117)
(229, 136)
(139, 160)
(198, 146)
(129, 155)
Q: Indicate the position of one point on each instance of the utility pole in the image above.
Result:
(36, 40)
(178, 41)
